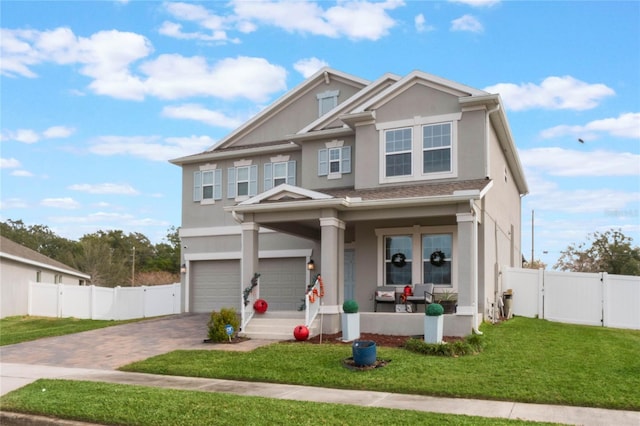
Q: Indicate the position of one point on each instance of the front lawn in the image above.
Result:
(25, 328)
(526, 360)
(136, 405)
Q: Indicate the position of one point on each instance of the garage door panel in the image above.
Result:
(283, 283)
(215, 285)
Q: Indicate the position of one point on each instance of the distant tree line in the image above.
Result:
(112, 258)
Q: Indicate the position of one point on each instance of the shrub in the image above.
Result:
(218, 322)
(470, 345)
(434, 310)
(350, 306)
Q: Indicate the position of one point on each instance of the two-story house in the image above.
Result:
(394, 182)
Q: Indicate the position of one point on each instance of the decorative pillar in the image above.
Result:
(249, 260)
(332, 254)
(467, 265)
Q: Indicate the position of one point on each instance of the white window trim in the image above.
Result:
(236, 165)
(416, 124)
(326, 95)
(210, 168)
(416, 233)
(336, 144)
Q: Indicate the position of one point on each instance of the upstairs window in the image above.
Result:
(242, 181)
(207, 185)
(278, 173)
(333, 162)
(327, 101)
(398, 152)
(436, 148)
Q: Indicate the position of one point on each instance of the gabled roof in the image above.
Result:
(286, 192)
(11, 250)
(322, 75)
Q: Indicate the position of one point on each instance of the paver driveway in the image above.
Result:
(111, 347)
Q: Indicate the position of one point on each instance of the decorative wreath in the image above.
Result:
(437, 258)
(399, 260)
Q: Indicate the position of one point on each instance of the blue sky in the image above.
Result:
(96, 97)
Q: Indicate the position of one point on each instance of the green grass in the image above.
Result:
(138, 405)
(524, 360)
(25, 328)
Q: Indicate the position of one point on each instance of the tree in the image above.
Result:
(536, 264)
(610, 252)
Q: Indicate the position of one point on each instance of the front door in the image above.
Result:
(349, 274)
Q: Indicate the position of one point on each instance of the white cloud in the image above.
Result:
(421, 24)
(22, 173)
(624, 126)
(477, 3)
(150, 147)
(553, 93)
(565, 162)
(105, 188)
(199, 113)
(25, 136)
(467, 23)
(214, 24)
(60, 203)
(56, 132)
(9, 163)
(13, 203)
(308, 66)
(357, 20)
(176, 76)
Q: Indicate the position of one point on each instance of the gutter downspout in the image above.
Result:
(236, 217)
(486, 141)
(475, 268)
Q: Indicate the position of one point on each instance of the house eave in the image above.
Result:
(233, 153)
(328, 133)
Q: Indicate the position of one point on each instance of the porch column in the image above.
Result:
(249, 260)
(332, 254)
(467, 264)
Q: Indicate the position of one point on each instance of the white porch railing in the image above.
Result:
(249, 296)
(312, 301)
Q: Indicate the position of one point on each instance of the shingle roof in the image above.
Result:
(409, 191)
(9, 247)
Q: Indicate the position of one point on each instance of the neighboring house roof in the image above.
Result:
(11, 250)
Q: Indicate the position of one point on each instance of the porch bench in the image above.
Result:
(422, 293)
(384, 294)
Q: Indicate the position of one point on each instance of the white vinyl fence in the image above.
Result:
(102, 303)
(575, 297)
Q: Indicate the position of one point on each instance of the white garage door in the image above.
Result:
(282, 283)
(215, 284)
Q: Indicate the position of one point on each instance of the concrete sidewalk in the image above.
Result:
(17, 375)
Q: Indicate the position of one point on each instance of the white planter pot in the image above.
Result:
(350, 326)
(433, 328)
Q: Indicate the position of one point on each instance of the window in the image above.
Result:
(434, 243)
(242, 181)
(436, 148)
(38, 276)
(278, 173)
(207, 185)
(327, 101)
(333, 162)
(397, 259)
(398, 149)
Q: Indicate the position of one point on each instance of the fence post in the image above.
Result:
(114, 309)
(541, 293)
(144, 301)
(604, 279)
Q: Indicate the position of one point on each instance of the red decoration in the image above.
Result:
(301, 332)
(408, 291)
(260, 306)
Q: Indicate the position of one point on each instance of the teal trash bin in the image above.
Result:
(364, 353)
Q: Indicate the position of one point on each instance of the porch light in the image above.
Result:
(311, 265)
(183, 269)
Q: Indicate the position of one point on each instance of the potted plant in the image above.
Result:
(350, 321)
(433, 323)
(448, 300)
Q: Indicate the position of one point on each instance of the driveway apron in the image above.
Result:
(112, 347)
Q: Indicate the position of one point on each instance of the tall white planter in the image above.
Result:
(350, 326)
(433, 326)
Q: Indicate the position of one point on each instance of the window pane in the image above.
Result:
(279, 181)
(438, 160)
(398, 165)
(207, 192)
(432, 273)
(437, 135)
(398, 274)
(243, 188)
(280, 170)
(207, 178)
(243, 173)
(334, 167)
(398, 140)
(334, 154)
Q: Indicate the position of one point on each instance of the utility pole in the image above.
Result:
(133, 268)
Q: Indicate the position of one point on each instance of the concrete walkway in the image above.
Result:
(101, 351)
